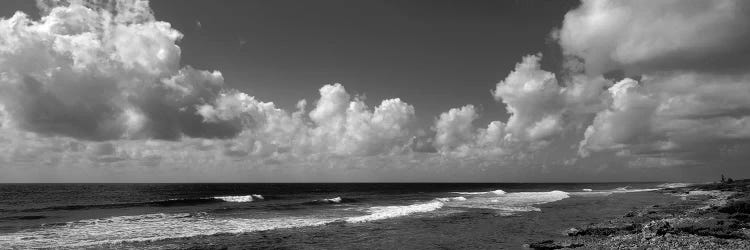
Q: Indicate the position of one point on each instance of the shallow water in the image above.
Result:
(80, 215)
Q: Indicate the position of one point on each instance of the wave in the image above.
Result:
(386, 212)
(497, 192)
(460, 198)
(674, 185)
(335, 200)
(241, 198)
(147, 227)
(627, 189)
(158, 203)
(512, 202)
(150, 227)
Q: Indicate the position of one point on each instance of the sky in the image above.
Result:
(373, 91)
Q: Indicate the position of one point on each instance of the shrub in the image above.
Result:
(737, 206)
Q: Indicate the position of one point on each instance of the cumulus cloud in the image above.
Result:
(685, 102)
(106, 77)
(339, 124)
(645, 36)
(534, 100)
(102, 71)
(454, 128)
(626, 121)
(689, 103)
(683, 112)
(541, 108)
(345, 125)
(99, 88)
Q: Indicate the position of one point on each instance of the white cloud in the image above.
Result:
(98, 91)
(627, 120)
(644, 36)
(347, 126)
(454, 128)
(534, 100)
(85, 72)
(541, 109)
(689, 113)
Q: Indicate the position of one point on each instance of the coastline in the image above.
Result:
(472, 229)
(707, 216)
(693, 217)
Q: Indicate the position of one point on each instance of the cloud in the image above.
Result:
(685, 115)
(107, 77)
(645, 36)
(97, 91)
(338, 124)
(534, 100)
(626, 121)
(686, 104)
(102, 72)
(454, 128)
(541, 109)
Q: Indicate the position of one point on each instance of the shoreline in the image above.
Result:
(696, 216)
(473, 229)
(707, 216)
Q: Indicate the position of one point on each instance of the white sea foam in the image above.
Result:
(333, 200)
(386, 212)
(460, 198)
(589, 192)
(511, 202)
(146, 227)
(241, 198)
(634, 190)
(497, 192)
(469, 193)
(674, 185)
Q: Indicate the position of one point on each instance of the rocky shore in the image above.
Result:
(707, 216)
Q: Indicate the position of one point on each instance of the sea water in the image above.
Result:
(88, 215)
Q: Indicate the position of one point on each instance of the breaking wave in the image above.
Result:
(158, 203)
(335, 200)
(386, 212)
(511, 202)
(147, 227)
(460, 198)
(242, 198)
(497, 192)
(627, 189)
(673, 185)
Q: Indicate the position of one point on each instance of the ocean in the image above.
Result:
(91, 215)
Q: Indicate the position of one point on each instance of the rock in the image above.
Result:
(655, 228)
(551, 244)
(572, 231)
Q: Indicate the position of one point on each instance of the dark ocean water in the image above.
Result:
(87, 215)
